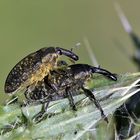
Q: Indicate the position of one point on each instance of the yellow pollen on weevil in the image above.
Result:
(44, 70)
(41, 73)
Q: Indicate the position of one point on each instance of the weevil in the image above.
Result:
(34, 67)
(64, 83)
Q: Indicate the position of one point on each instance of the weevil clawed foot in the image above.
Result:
(39, 117)
(42, 116)
(105, 118)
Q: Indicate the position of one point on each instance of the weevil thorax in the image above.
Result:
(88, 72)
(81, 71)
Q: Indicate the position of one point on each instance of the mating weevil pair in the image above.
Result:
(42, 78)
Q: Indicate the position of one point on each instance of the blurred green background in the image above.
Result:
(28, 25)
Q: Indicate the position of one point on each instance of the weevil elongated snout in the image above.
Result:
(104, 72)
(67, 53)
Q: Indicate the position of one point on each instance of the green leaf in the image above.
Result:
(86, 123)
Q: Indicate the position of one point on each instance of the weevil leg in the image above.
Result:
(43, 113)
(27, 95)
(89, 94)
(28, 98)
(49, 85)
(70, 98)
